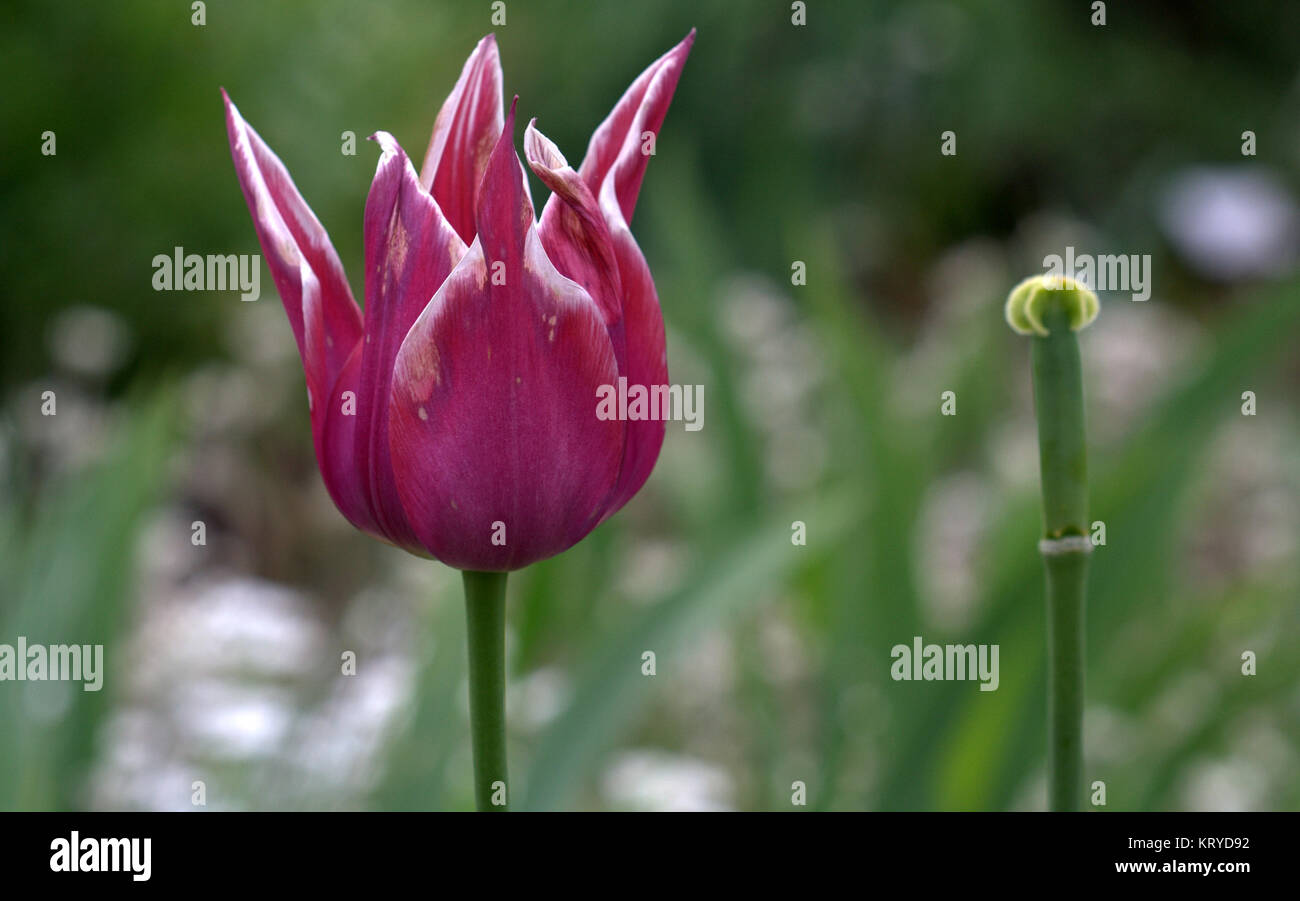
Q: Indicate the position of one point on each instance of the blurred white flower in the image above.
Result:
(1232, 223)
(89, 340)
(654, 780)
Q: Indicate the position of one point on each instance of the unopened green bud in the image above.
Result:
(1029, 301)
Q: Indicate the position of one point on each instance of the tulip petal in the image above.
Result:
(325, 318)
(464, 133)
(336, 447)
(575, 236)
(647, 352)
(499, 455)
(410, 251)
(617, 145)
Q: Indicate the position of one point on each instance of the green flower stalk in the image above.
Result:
(485, 612)
(1051, 309)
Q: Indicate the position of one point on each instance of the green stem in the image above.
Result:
(485, 612)
(1065, 601)
(1062, 446)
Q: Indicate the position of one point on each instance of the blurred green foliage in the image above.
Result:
(68, 575)
(818, 144)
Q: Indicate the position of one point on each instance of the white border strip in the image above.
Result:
(1067, 544)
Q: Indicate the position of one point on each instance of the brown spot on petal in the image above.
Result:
(399, 242)
(423, 371)
(570, 222)
(482, 153)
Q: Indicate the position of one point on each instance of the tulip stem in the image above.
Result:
(1058, 400)
(485, 612)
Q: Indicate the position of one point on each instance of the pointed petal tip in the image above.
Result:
(541, 151)
(683, 48)
(485, 52)
(507, 135)
(615, 146)
(232, 111)
(466, 125)
(317, 299)
(392, 156)
(508, 127)
(680, 50)
(506, 140)
(388, 146)
(503, 189)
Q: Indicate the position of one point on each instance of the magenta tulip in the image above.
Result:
(456, 417)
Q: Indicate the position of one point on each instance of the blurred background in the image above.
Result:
(817, 144)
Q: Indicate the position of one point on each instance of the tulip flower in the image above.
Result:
(456, 416)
